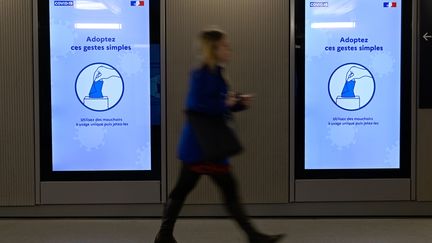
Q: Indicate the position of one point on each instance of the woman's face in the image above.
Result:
(223, 52)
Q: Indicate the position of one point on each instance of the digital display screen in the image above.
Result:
(101, 86)
(352, 89)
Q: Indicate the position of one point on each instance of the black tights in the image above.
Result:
(187, 182)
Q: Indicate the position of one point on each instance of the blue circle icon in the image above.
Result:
(99, 87)
(351, 87)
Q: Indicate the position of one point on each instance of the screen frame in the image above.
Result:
(45, 119)
(406, 106)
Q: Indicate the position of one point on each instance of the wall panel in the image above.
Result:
(259, 34)
(16, 104)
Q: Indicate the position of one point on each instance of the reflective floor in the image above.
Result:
(215, 230)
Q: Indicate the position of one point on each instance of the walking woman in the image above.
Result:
(209, 95)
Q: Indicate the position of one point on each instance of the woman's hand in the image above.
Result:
(232, 99)
(246, 99)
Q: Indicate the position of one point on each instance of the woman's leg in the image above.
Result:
(228, 185)
(185, 184)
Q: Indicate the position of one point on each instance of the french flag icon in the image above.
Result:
(390, 4)
(137, 3)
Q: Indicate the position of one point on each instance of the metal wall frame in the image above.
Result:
(36, 101)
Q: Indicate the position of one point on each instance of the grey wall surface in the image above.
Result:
(424, 156)
(259, 34)
(17, 185)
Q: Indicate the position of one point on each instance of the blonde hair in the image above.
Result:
(209, 40)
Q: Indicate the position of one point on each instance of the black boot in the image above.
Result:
(171, 211)
(237, 211)
(164, 237)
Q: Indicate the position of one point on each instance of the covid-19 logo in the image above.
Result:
(318, 4)
(64, 3)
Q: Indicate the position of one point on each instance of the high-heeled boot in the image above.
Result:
(237, 211)
(170, 214)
